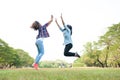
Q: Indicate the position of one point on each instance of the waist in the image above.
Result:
(41, 39)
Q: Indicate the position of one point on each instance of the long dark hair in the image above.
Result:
(70, 27)
(35, 25)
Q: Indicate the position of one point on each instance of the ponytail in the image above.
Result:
(70, 27)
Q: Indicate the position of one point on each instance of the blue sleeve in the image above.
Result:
(61, 29)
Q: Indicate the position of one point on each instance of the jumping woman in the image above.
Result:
(42, 33)
(67, 32)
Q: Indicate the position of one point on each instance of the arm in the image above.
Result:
(49, 22)
(62, 20)
(58, 25)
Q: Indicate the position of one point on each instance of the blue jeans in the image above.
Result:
(40, 47)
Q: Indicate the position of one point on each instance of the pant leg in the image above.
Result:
(40, 47)
(67, 49)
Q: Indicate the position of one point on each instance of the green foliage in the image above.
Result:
(54, 64)
(25, 60)
(10, 57)
(78, 65)
(7, 55)
(105, 52)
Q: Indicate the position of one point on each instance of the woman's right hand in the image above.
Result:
(51, 17)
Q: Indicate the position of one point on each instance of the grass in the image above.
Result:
(61, 74)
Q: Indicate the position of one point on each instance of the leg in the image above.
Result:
(40, 47)
(67, 49)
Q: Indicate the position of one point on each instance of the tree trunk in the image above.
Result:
(100, 62)
(118, 64)
(106, 58)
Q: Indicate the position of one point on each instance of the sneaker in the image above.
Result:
(36, 66)
(77, 55)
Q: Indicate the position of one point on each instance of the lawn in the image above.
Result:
(61, 74)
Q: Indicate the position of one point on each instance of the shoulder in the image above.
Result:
(66, 27)
(45, 25)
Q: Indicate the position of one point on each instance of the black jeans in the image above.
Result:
(67, 49)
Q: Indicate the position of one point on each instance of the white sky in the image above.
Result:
(89, 18)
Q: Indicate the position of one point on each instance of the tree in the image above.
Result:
(114, 34)
(7, 55)
(13, 57)
(24, 59)
(106, 51)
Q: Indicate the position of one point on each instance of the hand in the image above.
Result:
(55, 20)
(61, 15)
(51, 17)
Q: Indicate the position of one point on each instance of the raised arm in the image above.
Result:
(62, 20)
(49, 22)
(57, 23)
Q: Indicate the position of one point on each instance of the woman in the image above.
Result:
(42, 33)
(67, 32)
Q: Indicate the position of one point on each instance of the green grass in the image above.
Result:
(61, 74)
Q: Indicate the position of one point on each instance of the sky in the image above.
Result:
(89, 19)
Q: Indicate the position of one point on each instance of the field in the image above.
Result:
(61, 74)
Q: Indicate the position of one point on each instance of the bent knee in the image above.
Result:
(65, 54)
